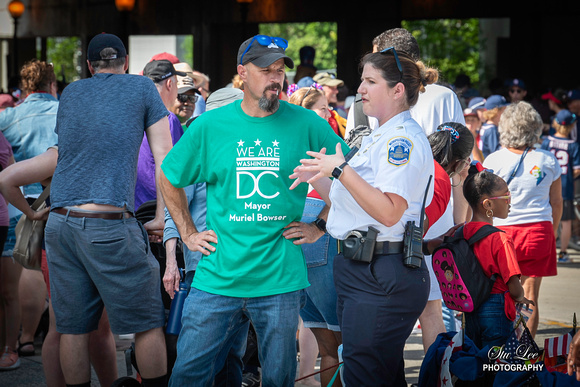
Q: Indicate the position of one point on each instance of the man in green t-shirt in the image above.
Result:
(245, 153)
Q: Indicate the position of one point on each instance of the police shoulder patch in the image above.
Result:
(399, 151)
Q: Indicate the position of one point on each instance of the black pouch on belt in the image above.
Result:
(360, 245)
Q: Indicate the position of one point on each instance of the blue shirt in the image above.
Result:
(196, 197)
(567, 152)
(29, 128)
(101, 122)
(489, 135)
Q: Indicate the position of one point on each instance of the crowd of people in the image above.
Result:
(290, 216)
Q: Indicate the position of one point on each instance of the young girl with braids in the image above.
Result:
(489, 197)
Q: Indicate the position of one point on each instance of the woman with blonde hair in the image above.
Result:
(533, 177)
(488, 133)
(373, 196)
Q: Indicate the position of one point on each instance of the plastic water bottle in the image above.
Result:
(174, 320)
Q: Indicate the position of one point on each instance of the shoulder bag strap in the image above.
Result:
(517, 166)
(41, 199)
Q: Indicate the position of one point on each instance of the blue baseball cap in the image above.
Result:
(573, 94)
(495, 101)
(476, 103)
(517, 82)
(565, 117)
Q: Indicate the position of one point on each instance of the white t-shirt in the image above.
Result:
(530, 188)
(395, 158)
(438, 104)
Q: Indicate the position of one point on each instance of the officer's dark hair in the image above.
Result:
(414, 75)
(451, 141)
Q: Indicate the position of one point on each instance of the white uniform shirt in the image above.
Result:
(395, 158)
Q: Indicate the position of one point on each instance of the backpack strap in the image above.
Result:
(482, 233)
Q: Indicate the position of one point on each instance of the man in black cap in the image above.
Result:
(164, 75)
(252, 267)
(98, 253)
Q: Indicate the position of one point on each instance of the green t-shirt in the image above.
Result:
(246, 163)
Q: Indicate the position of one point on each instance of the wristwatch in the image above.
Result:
(337, 171)
(321, 224)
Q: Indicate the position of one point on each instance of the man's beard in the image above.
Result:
(270, 104)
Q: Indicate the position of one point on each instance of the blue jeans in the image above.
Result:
(320, 308)
(488, 325)
(211, 324)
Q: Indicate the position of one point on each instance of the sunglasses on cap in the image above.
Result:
(265, 40)
(183, 98)
(392, 49)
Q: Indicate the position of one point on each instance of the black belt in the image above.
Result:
(382, 248)
(93, 214)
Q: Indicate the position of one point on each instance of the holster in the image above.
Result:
(359, 245)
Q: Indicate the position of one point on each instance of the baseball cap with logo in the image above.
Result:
(328, 79)
(565, 117)
(102, 41)
(160, 70)
(517, 82)
(263, 50)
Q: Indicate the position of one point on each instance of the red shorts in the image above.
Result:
(44, 268)
(535, 246)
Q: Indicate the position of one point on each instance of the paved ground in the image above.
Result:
(559, 299)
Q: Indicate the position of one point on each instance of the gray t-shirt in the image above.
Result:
(100, 126)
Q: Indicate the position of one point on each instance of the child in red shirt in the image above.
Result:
(489, 197)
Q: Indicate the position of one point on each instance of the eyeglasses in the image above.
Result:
(183, 98)
(265, 40)
(507, 197)
(517, 91)
(387, 50)
(462, 164)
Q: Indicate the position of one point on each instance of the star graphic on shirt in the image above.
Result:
(258, 142)
(240, 143)
(275, 143)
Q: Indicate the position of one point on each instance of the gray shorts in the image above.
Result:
(96, 263)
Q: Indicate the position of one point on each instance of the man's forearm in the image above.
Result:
(176, 202)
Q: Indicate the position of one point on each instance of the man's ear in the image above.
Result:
(242, 71)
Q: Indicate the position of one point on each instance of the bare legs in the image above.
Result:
(531, 287)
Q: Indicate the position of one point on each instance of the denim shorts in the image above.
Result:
(320, 308)
(96, 263)
(488, 325)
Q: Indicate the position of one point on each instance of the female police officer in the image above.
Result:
(380, 189)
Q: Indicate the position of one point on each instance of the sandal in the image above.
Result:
(24, 353)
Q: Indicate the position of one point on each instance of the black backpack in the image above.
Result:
(464, 285)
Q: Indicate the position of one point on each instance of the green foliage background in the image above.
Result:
(65, 54)
(450, 45)
(321, 36)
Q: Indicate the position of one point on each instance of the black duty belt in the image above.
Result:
(382, 248)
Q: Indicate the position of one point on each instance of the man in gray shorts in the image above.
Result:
(98, 253)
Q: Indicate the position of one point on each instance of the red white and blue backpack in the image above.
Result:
(464, 285)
